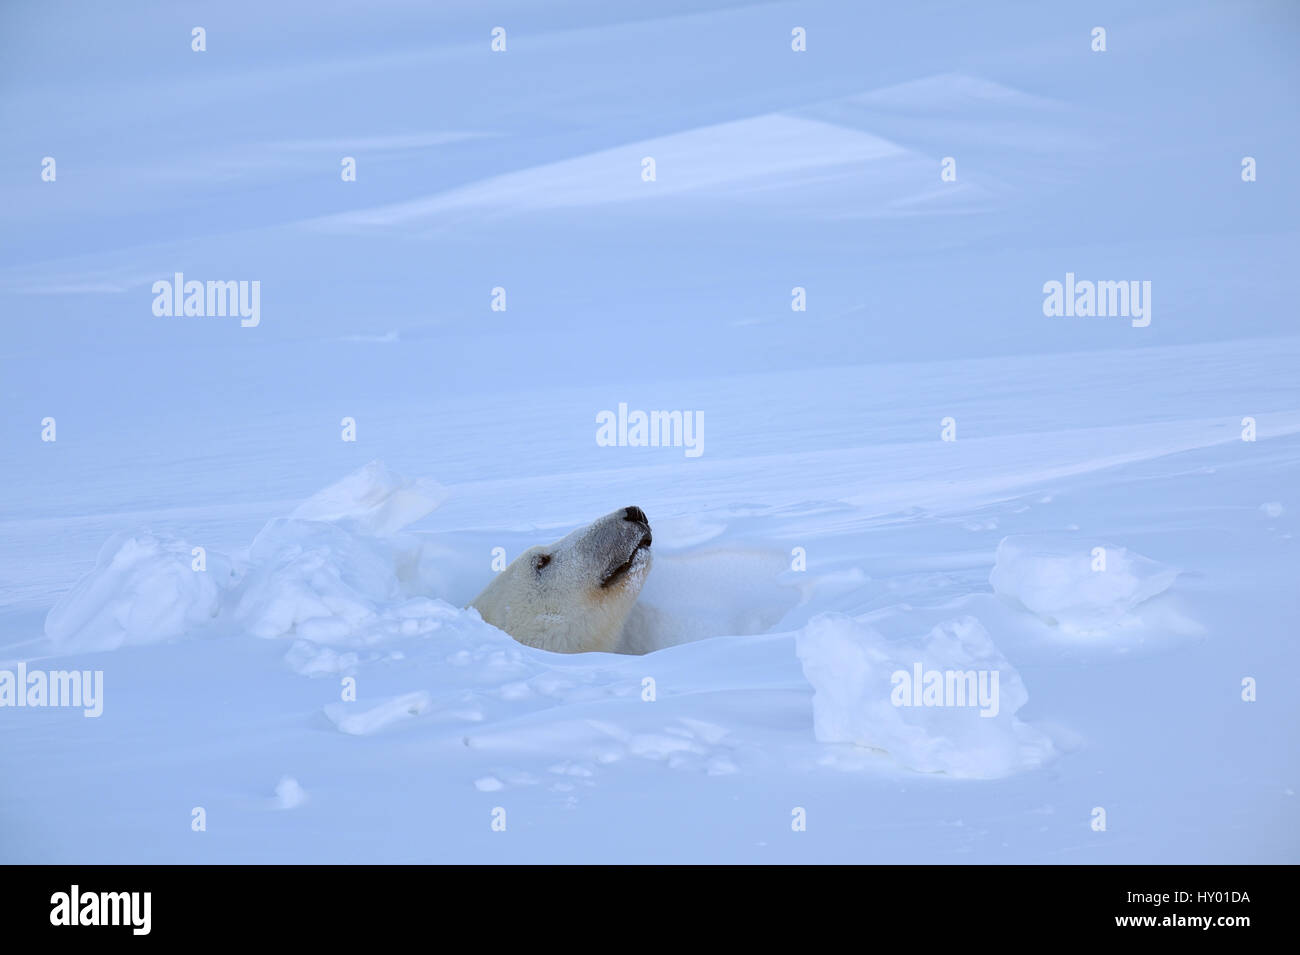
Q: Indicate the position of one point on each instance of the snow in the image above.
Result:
(735, 161)
(143, 589)
(280, 614)
(858, 699)
(289, 794)
(377, 717)
(1080, 586)
(373, 500)
(330, 573)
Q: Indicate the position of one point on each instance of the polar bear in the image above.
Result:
(574, 595)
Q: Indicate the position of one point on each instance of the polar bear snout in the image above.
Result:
(626, 544)
(637, 516)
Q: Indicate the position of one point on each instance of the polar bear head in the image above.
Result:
(573, 595)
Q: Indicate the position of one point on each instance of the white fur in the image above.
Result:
(563, 606)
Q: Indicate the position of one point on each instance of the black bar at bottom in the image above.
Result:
(336, 903)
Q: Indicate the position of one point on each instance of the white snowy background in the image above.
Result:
(476, 429)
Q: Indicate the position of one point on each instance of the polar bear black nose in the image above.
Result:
(635, 514)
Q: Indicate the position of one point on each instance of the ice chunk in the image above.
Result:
(318, 582)
(373, 500)
(144, 588)
(1082, 587)
(313, 580)
(944, 702)
(328, 572)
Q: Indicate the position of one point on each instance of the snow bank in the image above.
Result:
(336, 571)
(944, 702)
(1080, 587)
(314, 580)
(143, 588)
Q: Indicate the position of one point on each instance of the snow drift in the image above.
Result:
(1082, 588)
(143, 588)
(863, 694)
(336, 571)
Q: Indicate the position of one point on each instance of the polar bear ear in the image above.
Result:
(540, 561)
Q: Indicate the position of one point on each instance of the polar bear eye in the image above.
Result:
(541, 561)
